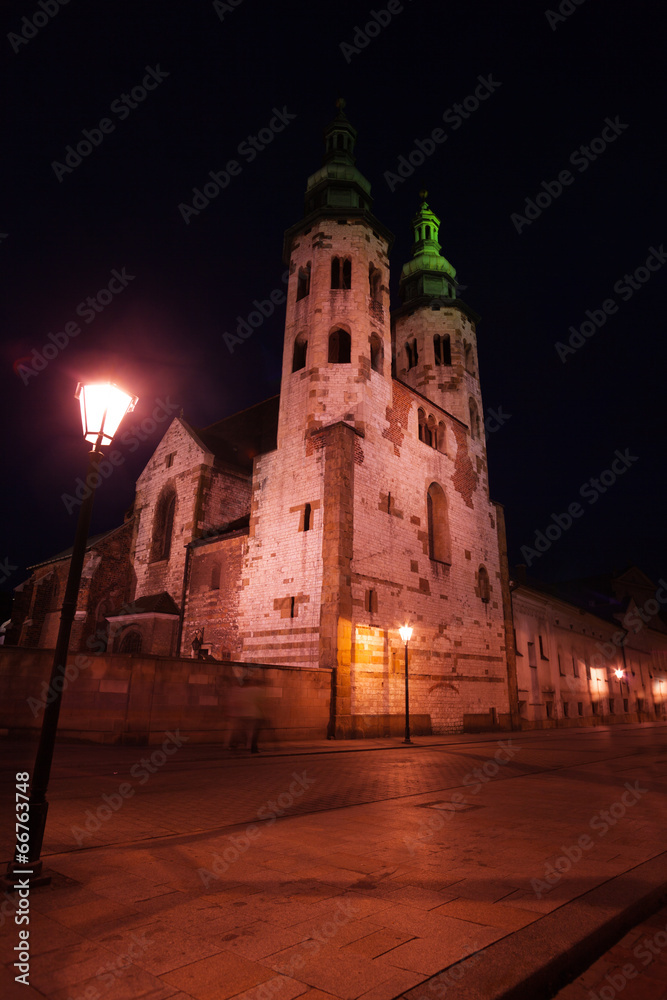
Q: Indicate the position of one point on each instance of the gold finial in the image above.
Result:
(340, 103)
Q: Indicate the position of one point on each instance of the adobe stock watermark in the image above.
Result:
(132, 437)
(267, 814)
(248, 148)
(439, 985)
(473, 780)
(625, 287)
(96, 643)
(565, 9)
(494, 420)
(6, 570)
(141, 771)
(581, 158)
(364, 35)
(454, 116)
(221, 7)
(88, 309)
(30, 26)
(617, 980)
(591, 491)
(263, 309)
(122, 107)
(108, 974)
(601, 823)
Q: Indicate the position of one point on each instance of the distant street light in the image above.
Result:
(405, 633)
(103, 406)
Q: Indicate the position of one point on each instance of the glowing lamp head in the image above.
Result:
(405, 633)
(618, 672)
(103, 406)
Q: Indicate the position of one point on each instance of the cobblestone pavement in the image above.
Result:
(349, 870)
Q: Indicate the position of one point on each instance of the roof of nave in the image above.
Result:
(242, 436)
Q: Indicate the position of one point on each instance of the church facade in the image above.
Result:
(307, 529)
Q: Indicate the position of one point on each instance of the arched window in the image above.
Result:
(341, 272)
(376, 353)
(442, 438)
(432, 429)
(131, 643)
(421, 424)
(484, 584)
(340, 347)
(300, 351)
(474, 418)
(374, 282)
(303, 282)
(438, 525)
(470, 365)
(428, 232)
(163, 524)
(412, 353)
(442, 349)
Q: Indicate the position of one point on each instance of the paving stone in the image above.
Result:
(219, 977)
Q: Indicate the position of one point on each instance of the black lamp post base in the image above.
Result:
(18, 875)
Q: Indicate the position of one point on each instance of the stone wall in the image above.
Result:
(112, 698)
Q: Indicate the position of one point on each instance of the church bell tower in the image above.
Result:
(337, 348)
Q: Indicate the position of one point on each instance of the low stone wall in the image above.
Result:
(116, 698)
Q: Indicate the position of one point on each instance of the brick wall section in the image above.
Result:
(457, 654)
(190, 460)
(336, 615)
(448, 385)
(106, 584)
(134, 699)
(208, 496)
(215, 611)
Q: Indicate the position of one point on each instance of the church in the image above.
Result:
(304, 531)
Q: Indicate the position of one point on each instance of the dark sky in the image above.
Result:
(222, 73)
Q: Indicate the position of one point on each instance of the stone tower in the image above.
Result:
(337, 328)
(434, 331)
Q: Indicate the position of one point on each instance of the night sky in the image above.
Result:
(219, 73)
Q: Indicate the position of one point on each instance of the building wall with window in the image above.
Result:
(567, 662)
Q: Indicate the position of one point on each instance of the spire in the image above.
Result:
(339, 138)
(428, 273)
(338, 189)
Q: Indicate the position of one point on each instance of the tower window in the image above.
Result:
(307, 515)
(163, 525)
(376, 353)
(340, 347)
(442, 349)
(442, 438)
(412, 353)
(474, 418)
(438, 526)
(303, 282)
(341, 272)
(169, 460)
(300, 351)
(374, 282)
(469, 361)
(292, 607)
(215, 576)
(371, 601)
(484, 584)
(432, 428)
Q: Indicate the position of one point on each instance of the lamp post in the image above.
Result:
(405, 633)
(103, 406)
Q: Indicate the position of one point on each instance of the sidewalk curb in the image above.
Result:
(560, 946)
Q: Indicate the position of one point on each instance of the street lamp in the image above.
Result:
(103, 406)
(405, 633)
